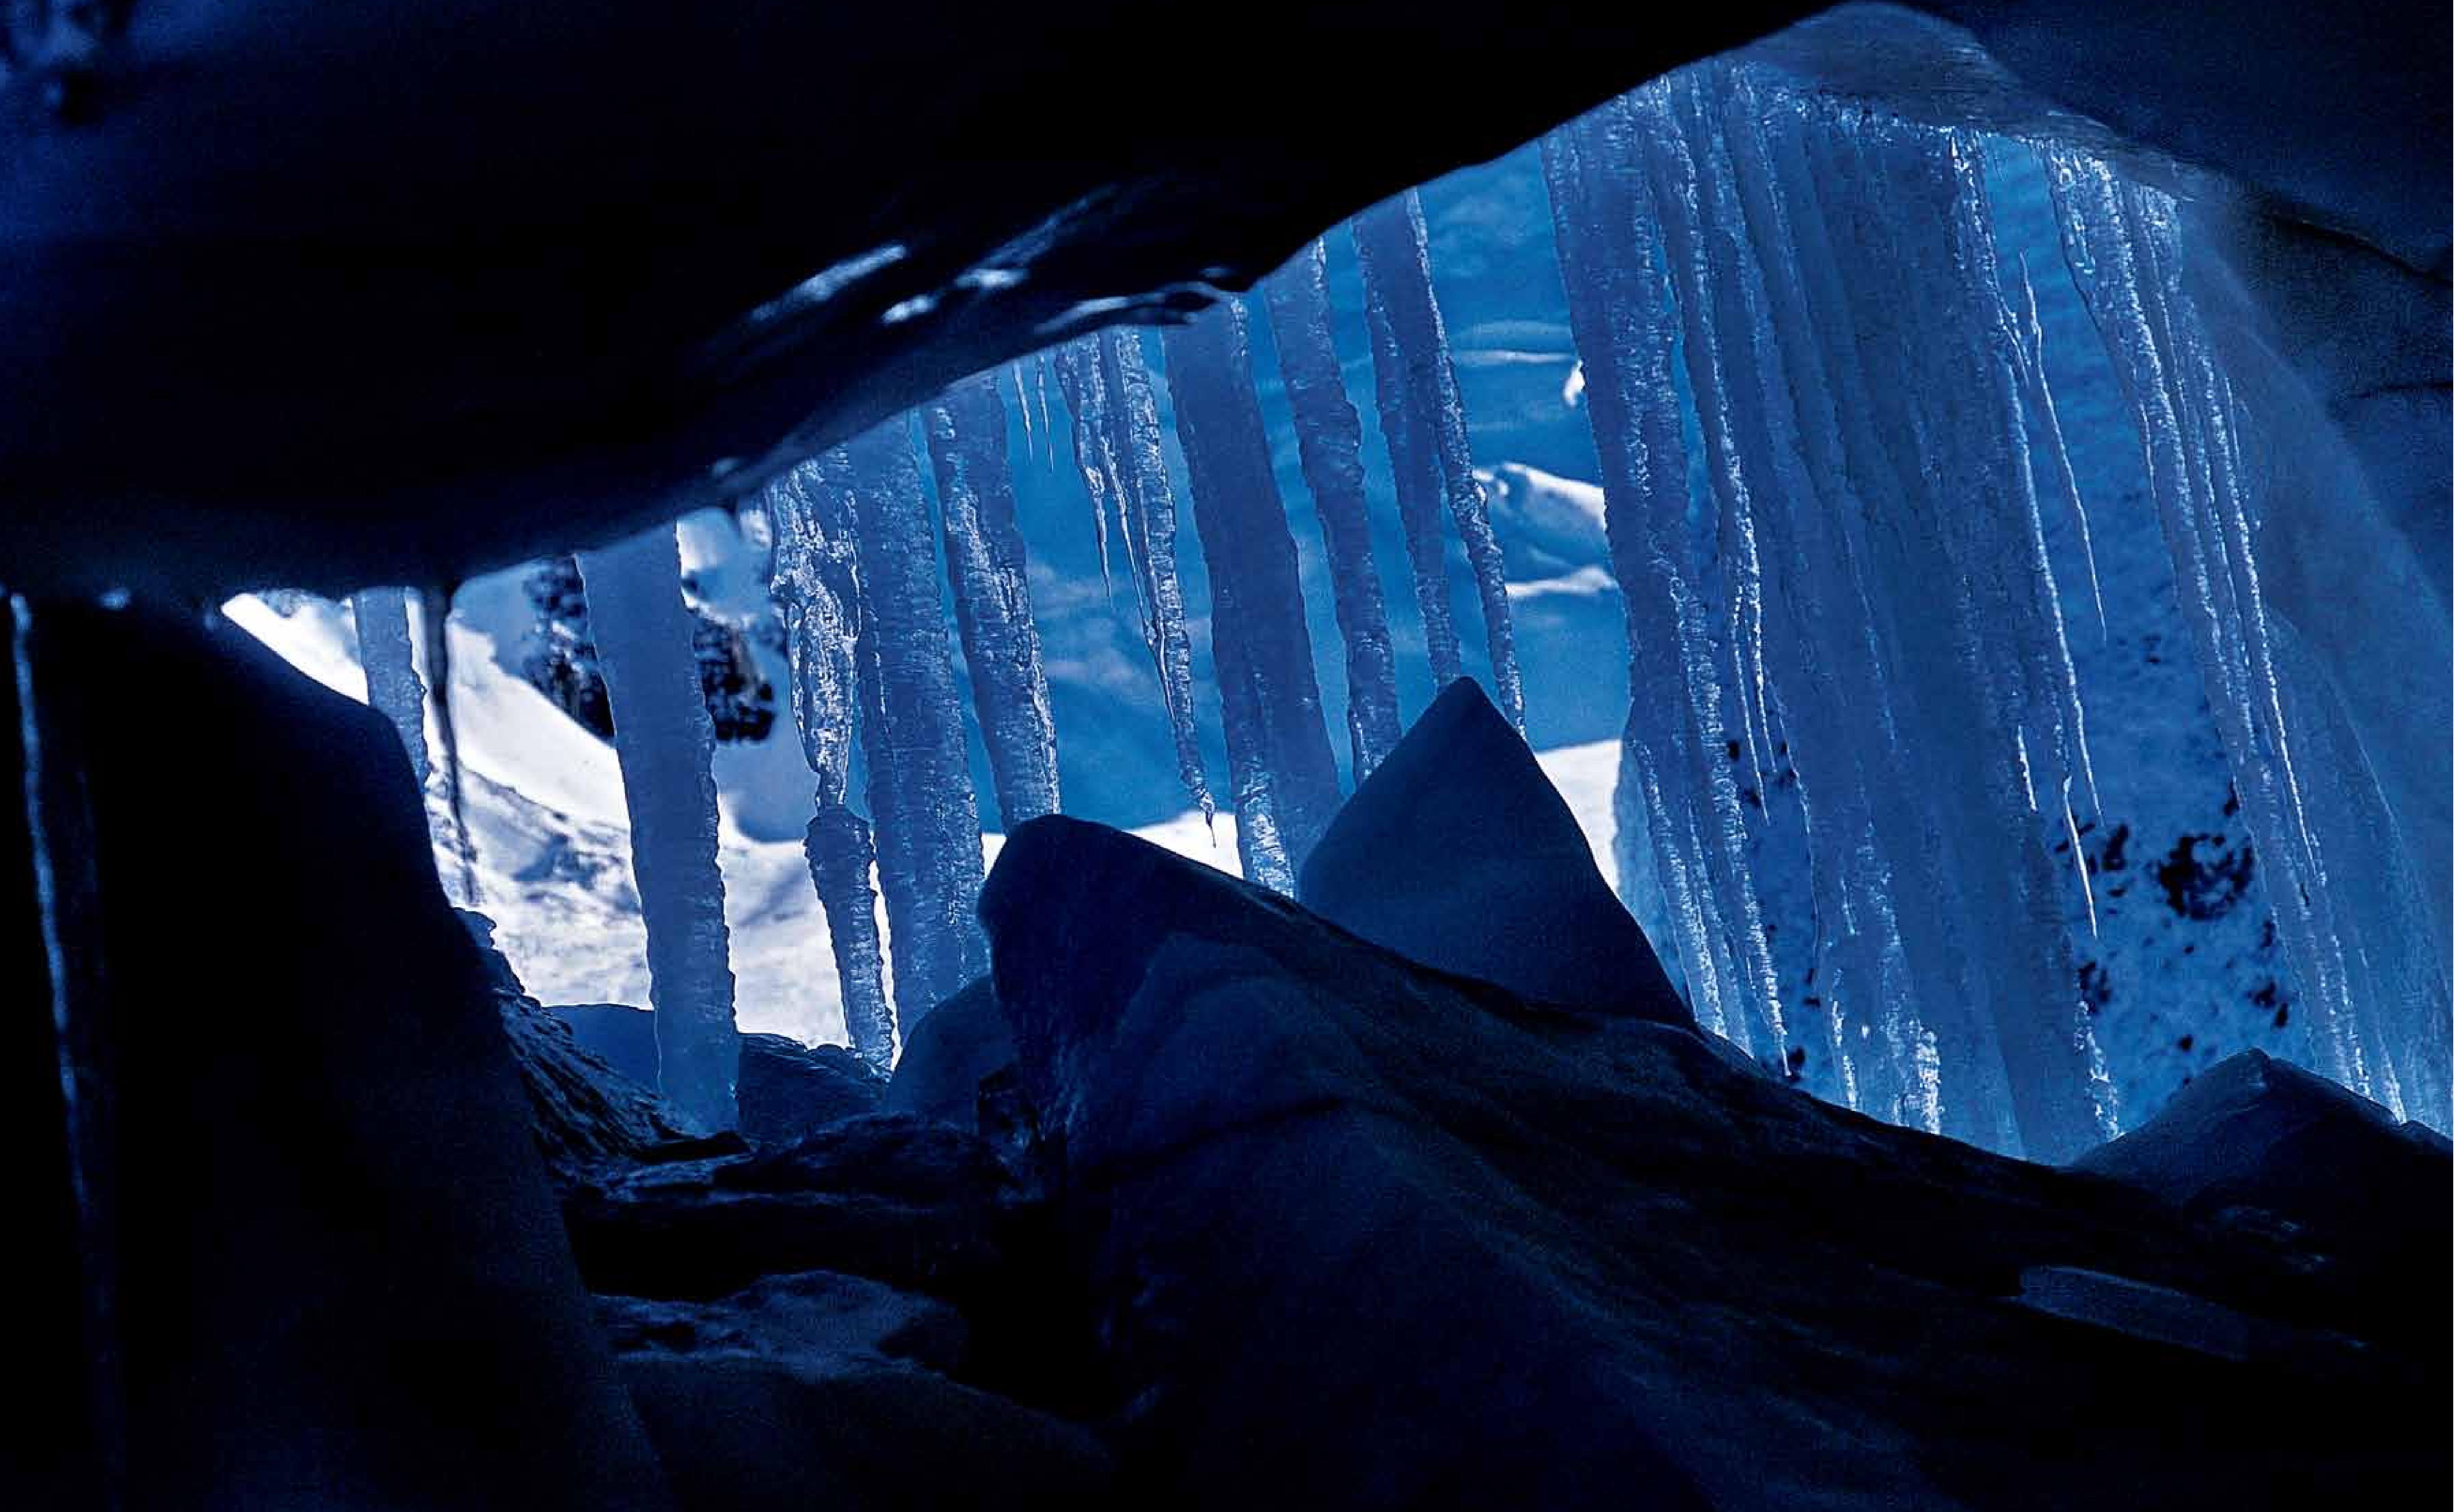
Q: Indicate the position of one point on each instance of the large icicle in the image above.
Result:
(664, 741)
(1117, 450)
(1614, 270)
(2368, 1024)
(1279, 754)
(813, 577)
(1329, 444)
(1150, 504)
(985, 569)
(393, 686)
(1411, 355)
(1415, 460)
(921, 799)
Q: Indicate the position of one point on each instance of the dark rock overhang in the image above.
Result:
(323, 296)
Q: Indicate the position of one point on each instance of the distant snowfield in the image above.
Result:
(543, 800)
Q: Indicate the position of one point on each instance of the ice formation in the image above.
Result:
(393, 687)
(985, 568)
(664, 741)
(1330, 444)
(2343, 902)
(1117, 449)
(1426, 425)
(1285, 781)
(813, 577)
(920, 787)
(1809, 292)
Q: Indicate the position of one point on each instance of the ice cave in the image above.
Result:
(857, 757)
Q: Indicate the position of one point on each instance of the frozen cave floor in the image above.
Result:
(1205, 1197)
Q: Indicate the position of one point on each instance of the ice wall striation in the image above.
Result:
(1330, 446)
(921, 800)
(1425, 424)
(1285, 780)
(814, 576)
(1862, 593)
(985, 569)
(664, 742)
(2349, 912)
(393, 686)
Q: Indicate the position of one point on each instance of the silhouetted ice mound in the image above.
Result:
(2259, 1143)
(1356, 1232)
(1457, 853)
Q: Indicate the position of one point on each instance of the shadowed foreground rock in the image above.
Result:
(1360, 1234)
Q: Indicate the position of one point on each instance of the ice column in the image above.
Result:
(985, 568)
(921, 798)
(1425, 424)
(664, 741)
(1329, 444)
(393, 686)
(1280, 766)
(813, 577)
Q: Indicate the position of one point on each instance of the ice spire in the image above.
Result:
(1329, 443)
(664, 742)
(1422, 418)
(921, 800)
(1287, 781)
(393, 686)
(1117, 449)
(813, 577)
(985, 569)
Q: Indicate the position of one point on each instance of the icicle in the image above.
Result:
(434, 614)
(1329, 442)
(393, 687)
(1415, 460)
(1407, 320)
(984, 570)
(664, 742)
(2042, 405)
(1279, 754)
(1117, 450)
(1150, 509)
(926, 818)
(1042, 378)
(814, 579)
(1023, 408)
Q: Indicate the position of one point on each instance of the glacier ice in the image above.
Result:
(1285, 780)
(665, 742)
(1329, 444)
